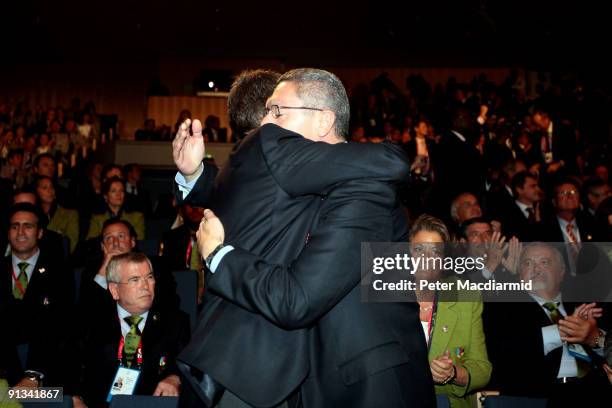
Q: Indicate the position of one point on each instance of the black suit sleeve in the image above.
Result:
(328, 268)
(301, 166)
(201, 193)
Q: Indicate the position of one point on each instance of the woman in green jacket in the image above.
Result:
(113, 191)
(452, 322)
(61, 220)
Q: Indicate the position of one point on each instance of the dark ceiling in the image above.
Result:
(429, 32)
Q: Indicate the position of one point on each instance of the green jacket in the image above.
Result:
(459, 325)
(135, 218)
(66, 223)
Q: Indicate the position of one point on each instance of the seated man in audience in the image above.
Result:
(51, 240)
(136, 335)
(137, 197)
(118, 237)
(491, 245)
(544, 346)
(465, 207)
(521, 215)
(35, 295)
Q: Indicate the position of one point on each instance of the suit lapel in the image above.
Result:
(151, 339)
(446, 320)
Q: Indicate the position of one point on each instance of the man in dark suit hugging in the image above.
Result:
(131, 349)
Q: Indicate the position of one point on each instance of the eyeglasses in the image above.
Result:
(275, 109)
(568, 193)
(135, 281)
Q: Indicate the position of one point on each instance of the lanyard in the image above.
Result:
(188, 254)
(138, 352)
(432, 321)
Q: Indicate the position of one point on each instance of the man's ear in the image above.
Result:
(132, 242)
(112, 288)
(326, 122)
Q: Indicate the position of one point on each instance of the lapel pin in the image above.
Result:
(155, 317)
(41, 270)
(45, 301)
(445, 329)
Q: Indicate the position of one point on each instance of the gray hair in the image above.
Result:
(318, 88)
(556, 253)
(454, 210)
(113, 268)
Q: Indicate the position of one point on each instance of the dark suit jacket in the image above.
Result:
(550, 230)
(41, 316)
(94, 353)
(516, 349)
(352, 341)
(514, 223)
(260, 198)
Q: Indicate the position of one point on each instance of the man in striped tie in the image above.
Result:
(35, 292)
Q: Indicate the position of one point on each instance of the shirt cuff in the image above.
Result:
(219, 256)
(551, 338)
(101, 280)
(486, 273)
(184, 186)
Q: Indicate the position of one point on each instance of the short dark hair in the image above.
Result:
(519, 180)
(566, 180)
(592, 184)
(106, 184)
(113, 221)
(41, 219)
(322, 89)
(246, 103)
(129, 167)
(14, 152)
(38, 158)
(109, 167)
(477, 220)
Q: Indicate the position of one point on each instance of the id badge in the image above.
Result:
(577, 351)
(124, 383)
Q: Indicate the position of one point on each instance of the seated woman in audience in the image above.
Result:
(451, 321)
(113, 191)
(61, 220)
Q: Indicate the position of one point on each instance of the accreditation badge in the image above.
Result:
(124, 383)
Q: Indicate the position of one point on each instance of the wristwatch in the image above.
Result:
(600, 339)
(34, 376)
(210, 256)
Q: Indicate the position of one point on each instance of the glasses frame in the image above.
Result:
(275, 109)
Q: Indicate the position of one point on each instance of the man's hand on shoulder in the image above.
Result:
(188, 150)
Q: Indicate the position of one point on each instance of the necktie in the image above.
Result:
(530, 215)
(22, 281)
(132, 338)
(553, 307)
(574, 246)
